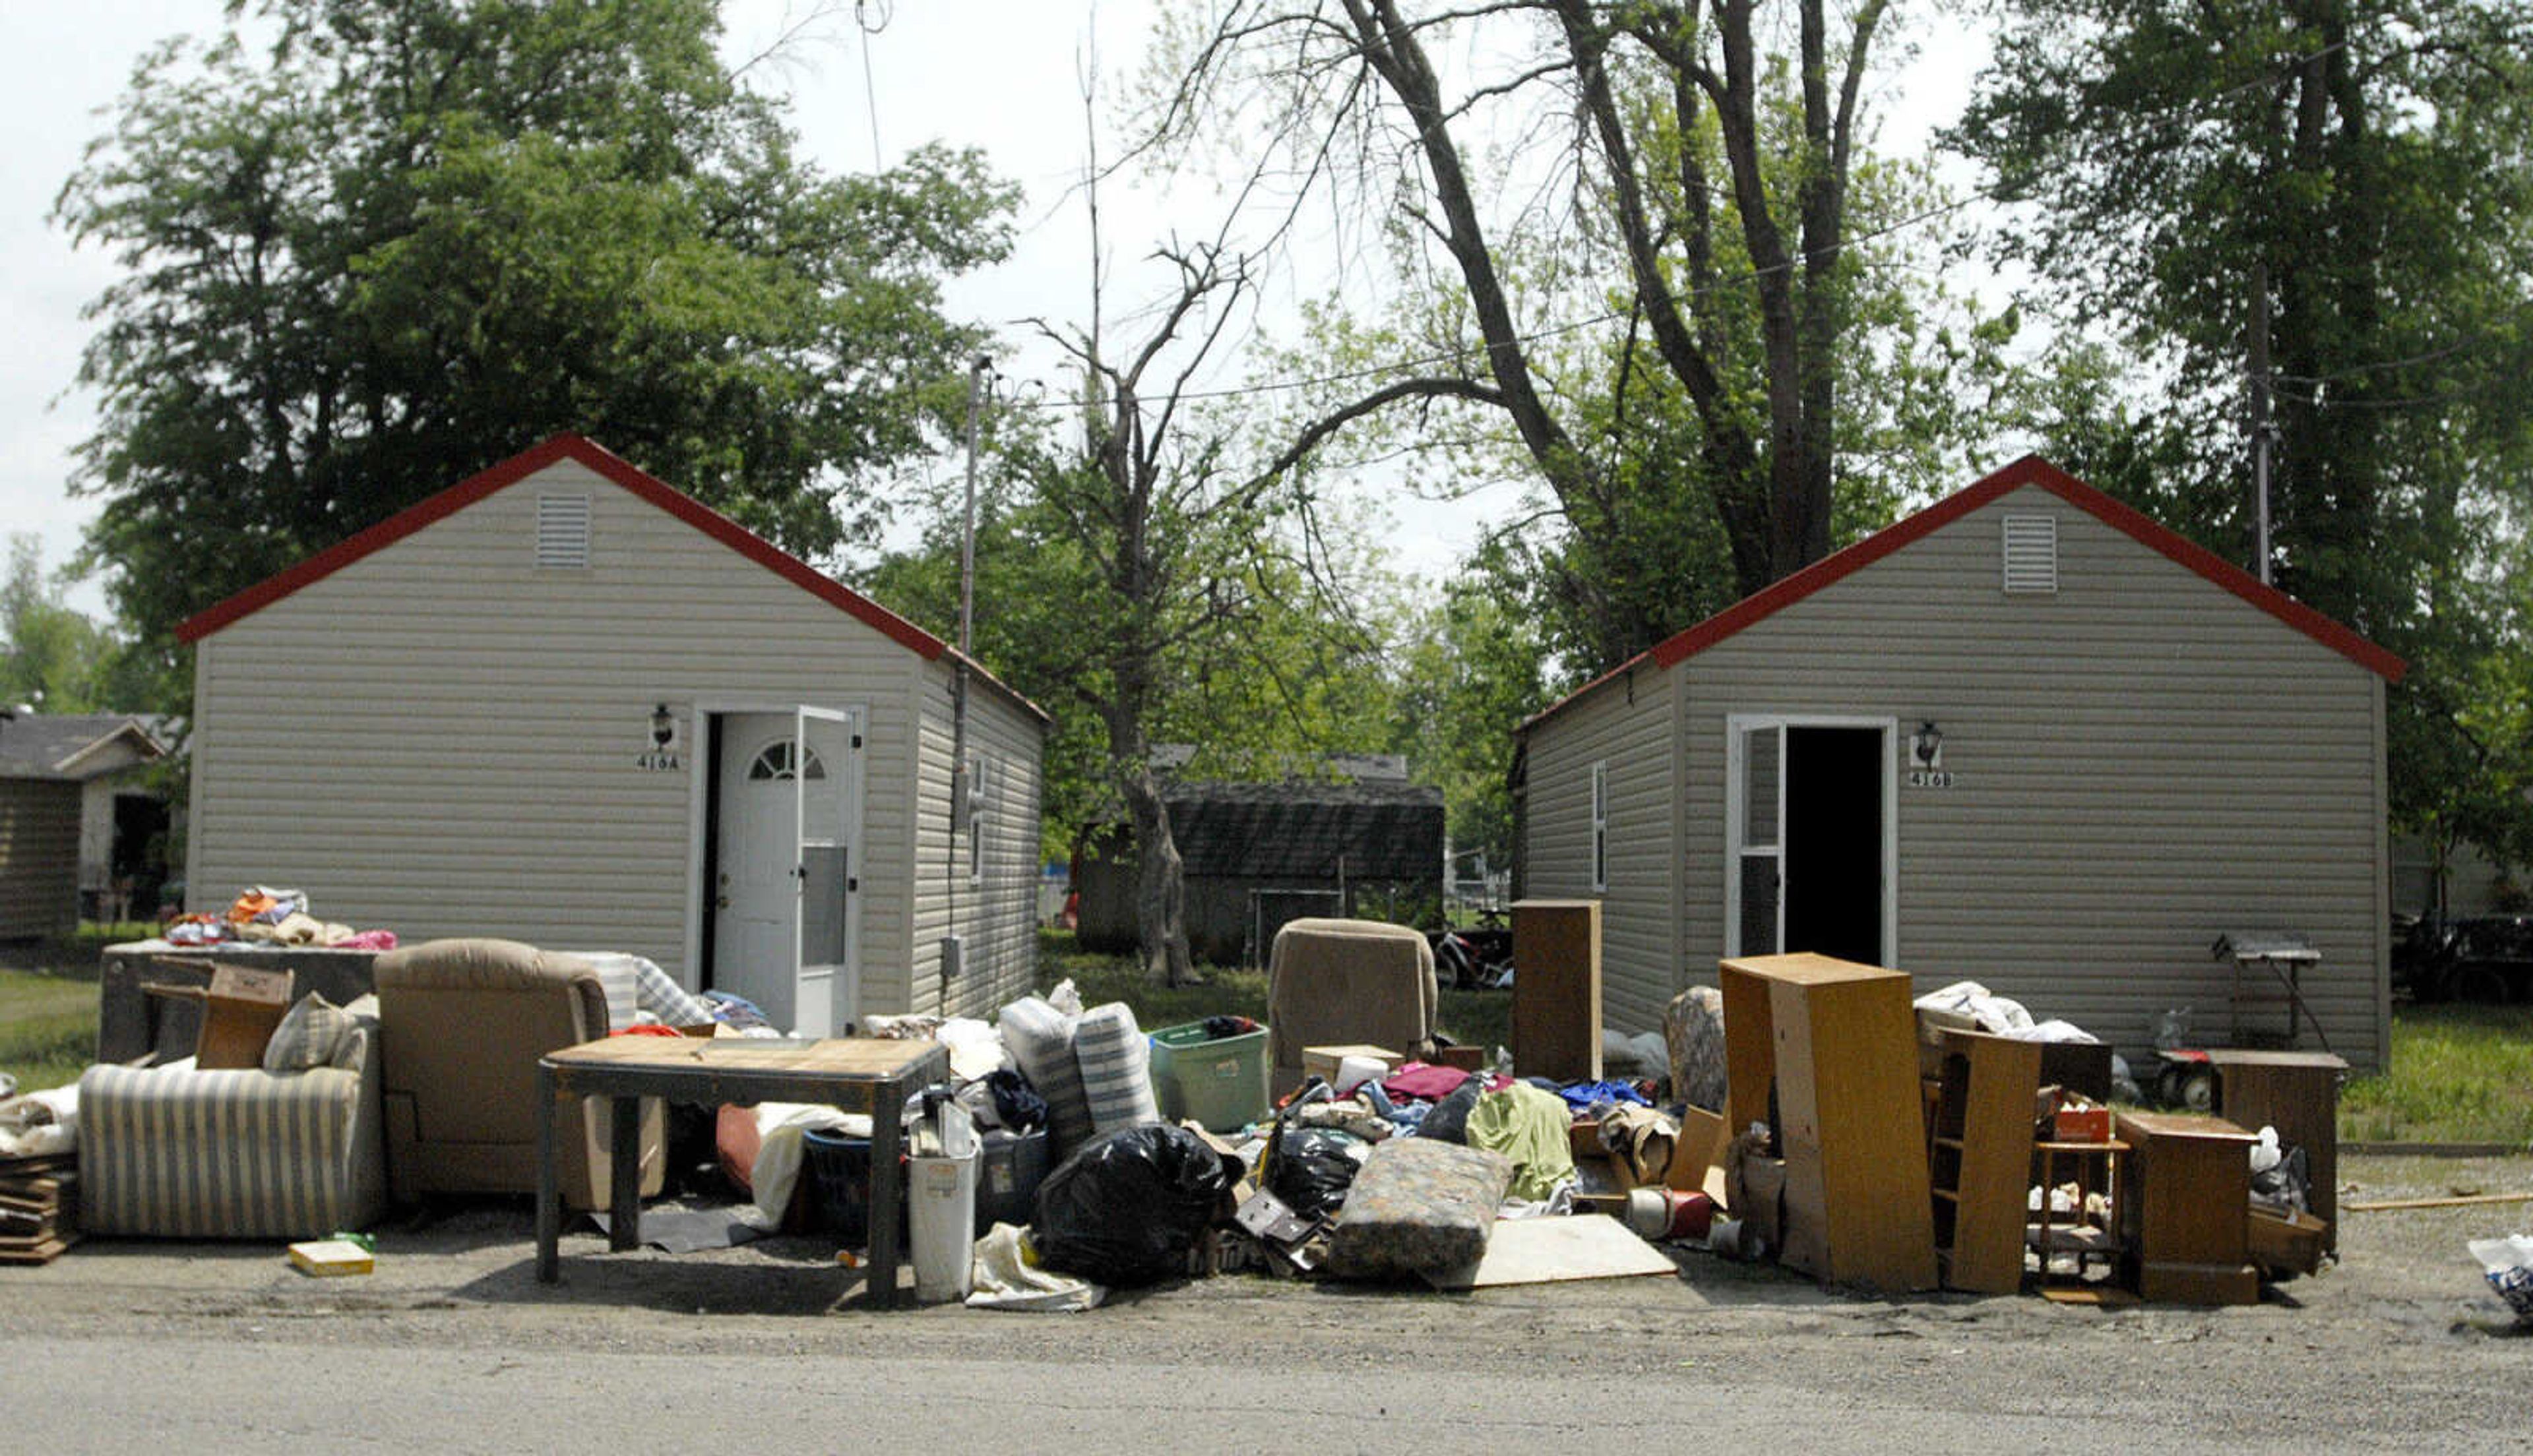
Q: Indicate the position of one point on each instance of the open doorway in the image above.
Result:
(1810, 818)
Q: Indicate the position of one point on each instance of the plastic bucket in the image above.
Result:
(1657, 1214)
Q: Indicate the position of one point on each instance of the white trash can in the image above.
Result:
(941, 1206)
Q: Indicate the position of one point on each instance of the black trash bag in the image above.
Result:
(1450, 1118)
(1125, 1208)
(1311, 1169)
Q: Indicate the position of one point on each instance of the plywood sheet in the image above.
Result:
(1547, 1251)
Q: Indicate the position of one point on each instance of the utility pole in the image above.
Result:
(2261, 429)
(954, 945)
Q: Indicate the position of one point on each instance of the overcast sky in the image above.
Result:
(996, 74)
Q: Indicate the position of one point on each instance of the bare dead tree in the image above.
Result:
(1635, 82)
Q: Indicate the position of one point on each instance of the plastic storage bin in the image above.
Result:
(839, 1171)
(1219, 1082)
(1013, 1165)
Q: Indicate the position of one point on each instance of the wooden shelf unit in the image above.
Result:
(1838, 1043)
(1980, 1160)
(2093, 1168)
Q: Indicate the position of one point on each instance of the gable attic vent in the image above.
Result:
(562, 532)
(2032, 553)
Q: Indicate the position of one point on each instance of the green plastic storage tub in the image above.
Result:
(1220, 1084)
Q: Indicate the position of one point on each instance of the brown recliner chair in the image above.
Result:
(1341, 982)
(463, 1023)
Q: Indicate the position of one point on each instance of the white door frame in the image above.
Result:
(699, 826)
(1737, 813)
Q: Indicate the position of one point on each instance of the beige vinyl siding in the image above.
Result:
(995, 916)
(440, 739)
(2139, 762)
(1626, 724)
(39, 841)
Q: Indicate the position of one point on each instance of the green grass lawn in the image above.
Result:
(48, 1003)
(2460, 1073)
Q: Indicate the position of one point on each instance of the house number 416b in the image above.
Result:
(1929, 779)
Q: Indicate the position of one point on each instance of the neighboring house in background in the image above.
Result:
(78, 833)
(2474, 884)
(1259, 855)
(564, 703)
(2026, 736)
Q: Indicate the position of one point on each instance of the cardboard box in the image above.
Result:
(240, 1008)
(2082, 1125)
(326, 1257)
(1465, 1058)
(1321, 1061)
(1704, 1137)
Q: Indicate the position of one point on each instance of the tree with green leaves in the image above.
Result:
(52, 657)
(2358, 172)
(371, 246)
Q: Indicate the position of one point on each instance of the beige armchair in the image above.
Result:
(463, 1022)
(185, 1152)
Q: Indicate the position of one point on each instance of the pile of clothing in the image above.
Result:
(264, 916)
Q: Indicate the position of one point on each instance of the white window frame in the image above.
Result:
(1600, 824)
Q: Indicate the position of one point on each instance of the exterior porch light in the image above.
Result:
(1926, 746)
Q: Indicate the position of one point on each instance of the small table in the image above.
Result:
(856, 1074)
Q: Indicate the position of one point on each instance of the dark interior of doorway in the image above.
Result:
(1834, 841)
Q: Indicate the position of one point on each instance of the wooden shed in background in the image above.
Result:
(1259, 854)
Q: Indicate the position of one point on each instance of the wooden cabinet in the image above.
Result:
(1836, 1042)
(1980, 1159)
(2297, 1094)
(1557, 989)
(2185, 1207)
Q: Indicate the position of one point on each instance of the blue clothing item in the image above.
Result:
(1582, 1095)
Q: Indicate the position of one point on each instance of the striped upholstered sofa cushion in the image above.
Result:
(176, 1151)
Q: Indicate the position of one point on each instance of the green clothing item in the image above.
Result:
(1528, 1126)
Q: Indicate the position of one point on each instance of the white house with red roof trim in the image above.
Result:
(564, 703)
(2026, 736)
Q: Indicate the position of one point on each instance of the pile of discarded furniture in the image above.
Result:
(1804, 1109)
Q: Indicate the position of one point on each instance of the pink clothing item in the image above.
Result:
(367, 940)
(1423, 1080)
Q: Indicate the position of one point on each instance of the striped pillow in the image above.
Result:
(1116, 1064)
(308, 1036)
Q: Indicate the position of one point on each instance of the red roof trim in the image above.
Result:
(519, 467)
(2031, 470)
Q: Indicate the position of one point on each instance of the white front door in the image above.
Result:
(785, 842)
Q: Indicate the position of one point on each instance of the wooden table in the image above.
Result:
(856, 1074)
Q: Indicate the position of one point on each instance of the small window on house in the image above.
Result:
(1601, 825)
(785, 760)
(2032, 553)
(562, 532)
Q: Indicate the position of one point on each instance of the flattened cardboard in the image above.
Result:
(1547, 1251)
